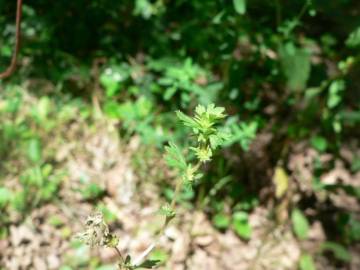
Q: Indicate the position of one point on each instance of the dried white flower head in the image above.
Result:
(97, 232)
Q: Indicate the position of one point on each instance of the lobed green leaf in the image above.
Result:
(174, 158)
(188, 121)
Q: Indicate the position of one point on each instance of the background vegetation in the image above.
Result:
(95, 92)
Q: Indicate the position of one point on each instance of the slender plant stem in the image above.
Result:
(119, 254)
(179, 184)
(296, 19)
(176, 193)
(303, 10)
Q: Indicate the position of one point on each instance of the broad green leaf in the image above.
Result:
(112, 109)
(169, 93)
(319, 143)
(5, 196)
(241, 225)
(300, 224)
(335, 89)
(296, 65)
(159, 255)
(143, 8)
(42, 109)
(354, 38)
(34, 150)
(339, 251)
(281, 181)
(221, 221)
(92, 191)
(306, 262)
(240, 6)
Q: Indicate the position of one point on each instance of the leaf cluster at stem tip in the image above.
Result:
(204, 126)
(209, 136)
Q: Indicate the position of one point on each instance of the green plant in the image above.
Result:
(205, 128)
(243, 133)
(300, 224)
(184, 78)
(286, 70)
(26, 153)
(338, 250)
(306, 262)
(241, 224)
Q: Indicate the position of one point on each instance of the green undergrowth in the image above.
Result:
(285, 71)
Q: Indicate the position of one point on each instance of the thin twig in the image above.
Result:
(12, 65)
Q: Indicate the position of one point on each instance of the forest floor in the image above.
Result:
(131, 201)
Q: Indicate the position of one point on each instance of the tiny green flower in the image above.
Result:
(167, 211)
(204, 154)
